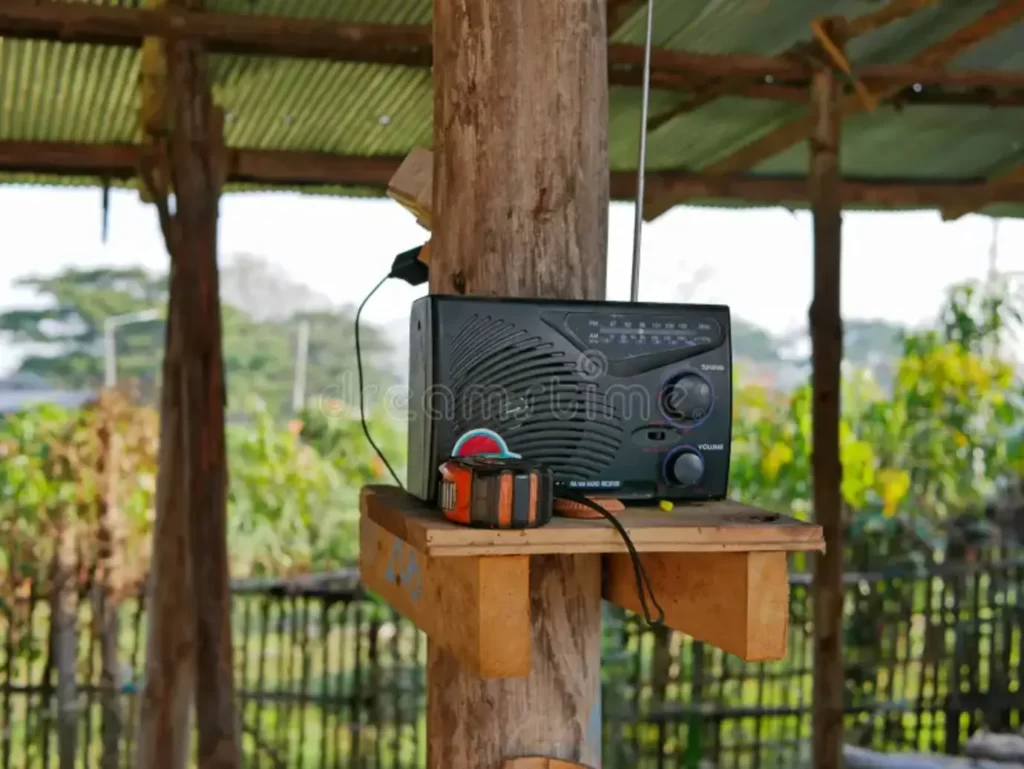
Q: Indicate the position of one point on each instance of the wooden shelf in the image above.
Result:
(719, 571)
(707, 527)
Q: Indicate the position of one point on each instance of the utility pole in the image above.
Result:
(993, 253)
(110, 326)
(301, 366)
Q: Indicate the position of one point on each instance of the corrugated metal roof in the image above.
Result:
(51, 92)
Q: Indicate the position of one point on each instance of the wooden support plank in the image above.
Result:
(984, 195)
(412, 187)
(728, 588)
(477, 609)
(799, 129)
(296, 170)
(537, 762)
(738, 602)
(826, 360)
(876, 193)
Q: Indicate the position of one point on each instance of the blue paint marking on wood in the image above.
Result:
(394, 561)
(413, 578)
(594, 735)
(404, 570)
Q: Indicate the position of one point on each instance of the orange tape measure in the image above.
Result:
(496, 492)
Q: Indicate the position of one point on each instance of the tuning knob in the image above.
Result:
(684, 467)
(687, 398)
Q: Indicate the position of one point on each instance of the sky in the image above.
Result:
(895, 266)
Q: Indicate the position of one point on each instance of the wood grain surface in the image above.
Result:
(711, 527)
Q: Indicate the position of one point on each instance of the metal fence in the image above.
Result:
(328, 677)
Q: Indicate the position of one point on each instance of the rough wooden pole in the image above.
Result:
(520, 206)
(197, 168)
(166, 703)
(190, 571)
(826, 360)
(108, 586)
(165, 707)
(521, 160)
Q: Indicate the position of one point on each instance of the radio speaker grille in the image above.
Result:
(533, 395)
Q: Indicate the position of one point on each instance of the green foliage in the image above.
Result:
(290, 509)
(292, 495)
(32, 490)
(336, 432)
(261, 316)
(70, 329)
(915, 458)
(754, 343)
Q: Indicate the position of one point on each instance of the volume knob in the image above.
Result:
(684, 468)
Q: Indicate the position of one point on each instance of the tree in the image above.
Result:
(868, 341)
(264, 291)
(260, 337)
(754, 343)
(65, 336)
(915, 460)
(279, 306)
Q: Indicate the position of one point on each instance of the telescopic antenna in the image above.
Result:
(638, 219)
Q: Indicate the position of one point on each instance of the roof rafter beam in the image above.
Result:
(1005, 14)
(620, 12)
(222, 33)
(318, 169)
(991, 192)
(932, 87)
(411, 45)
(895, 10)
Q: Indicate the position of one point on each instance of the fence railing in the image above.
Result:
(328, 677)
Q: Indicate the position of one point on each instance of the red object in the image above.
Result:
(456, 493)
(479, 444)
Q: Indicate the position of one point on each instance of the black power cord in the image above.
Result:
(643, 582)
(409, 268)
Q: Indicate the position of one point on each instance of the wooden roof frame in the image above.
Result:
(113, 163)
(923, 80)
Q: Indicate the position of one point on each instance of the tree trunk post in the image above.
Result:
(826, 360)
(520, 209)
(64, 613)
(192, 593)
(107, 590)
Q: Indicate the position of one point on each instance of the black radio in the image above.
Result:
(625, 400)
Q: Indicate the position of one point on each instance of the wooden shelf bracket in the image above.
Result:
(477, 607)
(718, 570)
